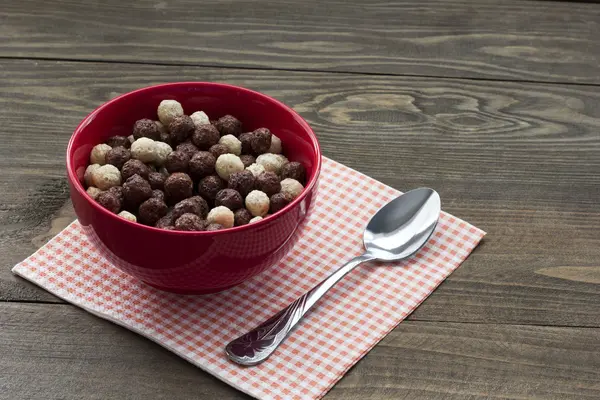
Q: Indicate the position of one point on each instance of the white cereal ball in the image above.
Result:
(162, 151)
(161, 127)
(284, 159)
(128, 216)
(167, 110)
(256, 169)
(270, 162)
(144, 149)
(88, 175)
(257, 203)
(275, 145)
(200, 118)
(255, 219)
(227, 164)
(98, 154)
(106, 177)
(291, 187)
(93, 192)
(221, 215)
(232, 143)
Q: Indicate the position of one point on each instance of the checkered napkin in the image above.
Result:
(356, 314)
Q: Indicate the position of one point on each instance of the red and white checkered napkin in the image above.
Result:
(342, 327)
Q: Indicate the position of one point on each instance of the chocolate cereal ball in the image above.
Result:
(158, 194)
(118, 156)
(181, 128)
(202, 164)
(177, 161)
(278, 201)
(178, 186)
(218, 150)
(221, 215)
(214, 227)
(229, 198)
(110, 201)
(194, 205)
(260, 141)
(145, 128)
(187, 148)
(205, 136)
(133, 167)
(117, 191)
(293, 170)
(241, 217)
(247, 160)
(157, 180)
(167, 110)
(165, 221)
(229, 125)
(135, 191)
(257, 203)
(246, 141)
(291, 188)
(227, 164)
(242, 181)
(190, 222)
(151, 211)
(116, 141)
(268, 182)
(209, 186)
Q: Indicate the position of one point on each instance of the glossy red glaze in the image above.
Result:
(193, 262)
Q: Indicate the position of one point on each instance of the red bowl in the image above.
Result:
(193, 262)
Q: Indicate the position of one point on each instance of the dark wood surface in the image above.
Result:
(447, 108)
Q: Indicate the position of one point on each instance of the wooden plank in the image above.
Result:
(512, 39)
(518, 160)
(58, 352)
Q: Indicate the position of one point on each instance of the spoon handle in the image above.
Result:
(257, 345)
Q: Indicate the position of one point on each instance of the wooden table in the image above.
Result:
(496, 104)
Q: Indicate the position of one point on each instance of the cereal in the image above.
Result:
(117, 191)
(165, 221)
(177, 161)
(133, 167)
(98, 154)
(194, 205)
(278, 201)
(247, 160)
(209, 186)
(255, 219)
(268, 182)
(276, 147)
(152, 210)
(218, 150)
(232, 143)
(128, 216)
(205, 136)
(161, 128)
(178, 186)
(181, 128)
(246, 141)
(257, 203)
(93, 192)
(293, 170)
(116, 141)
(214, 227)
(156, 180)
(110, 201)
(227, 164)
(158, 194)
(270, 162)
(187, 148)
(162, 152)
(291, 188)
(256, 169)
(260, 141)
(221, 215)
(190, 222)
(146, 128)
(229, 125)
(135, 191)
(167, 110)
(88, 175)
(242, 181)
(118, 156)
(106, 176)
(202, 164)
(200, 118)
(241, 217)
(144, 149)
(232, 199)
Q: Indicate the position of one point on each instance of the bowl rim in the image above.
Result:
(317, 160)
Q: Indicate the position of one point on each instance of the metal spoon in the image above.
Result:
(396, 231)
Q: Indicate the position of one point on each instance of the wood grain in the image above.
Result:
(518, 160)
(61, 352)
(516, 40)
